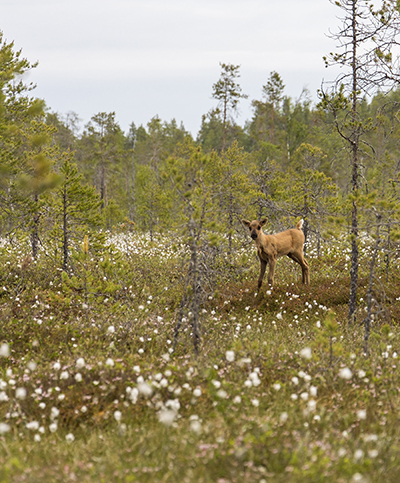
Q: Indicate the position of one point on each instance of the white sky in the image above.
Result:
(142, 58)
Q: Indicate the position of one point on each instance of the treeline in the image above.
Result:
(288, 161)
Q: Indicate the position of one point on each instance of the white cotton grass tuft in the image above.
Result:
(255, 380)
(33, 425)
(195, 424)
(80, 363)
(222, 394)
(20, 393)
(283, 417)
(373, 453)
(70, 438)
(230, 356)
(173, 404)
(345, 373)
(133, 394)
(361, 414)
(145, 389)
(358, 454)
(304, 396)
(306, 353)
(4, 350)
(54, 413)
(312, 405)
(32, 366)
(197, 392)
(4, 428)
(169, 412)
(167, 416)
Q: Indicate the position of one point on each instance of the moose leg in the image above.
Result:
(306, 272)
(271, 271)
(263, 266)
(304, 267)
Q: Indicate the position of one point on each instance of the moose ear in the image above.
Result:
(246, 223)
(263, 221)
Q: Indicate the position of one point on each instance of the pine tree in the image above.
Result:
(104, 157)
(273, 92)
(228, 93)
(234, 189)
(36, 178)
(307, 192)
(16, 111)
(76, 210)
(366, 40)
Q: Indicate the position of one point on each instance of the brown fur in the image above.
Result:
(271, 247)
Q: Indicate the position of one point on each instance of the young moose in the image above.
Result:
(271, 247)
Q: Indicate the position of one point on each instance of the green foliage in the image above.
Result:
(226, 90)
(228, 93)
(307, 191)
(104, 158)
(25, 155)
(75, 212)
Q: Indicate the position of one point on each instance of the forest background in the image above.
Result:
(287, 161)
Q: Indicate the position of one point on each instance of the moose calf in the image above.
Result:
(271, 247)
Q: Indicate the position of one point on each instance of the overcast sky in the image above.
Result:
(142, 58)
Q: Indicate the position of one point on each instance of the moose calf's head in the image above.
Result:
(255, 227)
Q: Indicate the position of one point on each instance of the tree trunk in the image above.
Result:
(132, 204)
(272, 124)
(354, 179)
(35, 231)
(225, 114)
(65, 232)
(102, 186)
